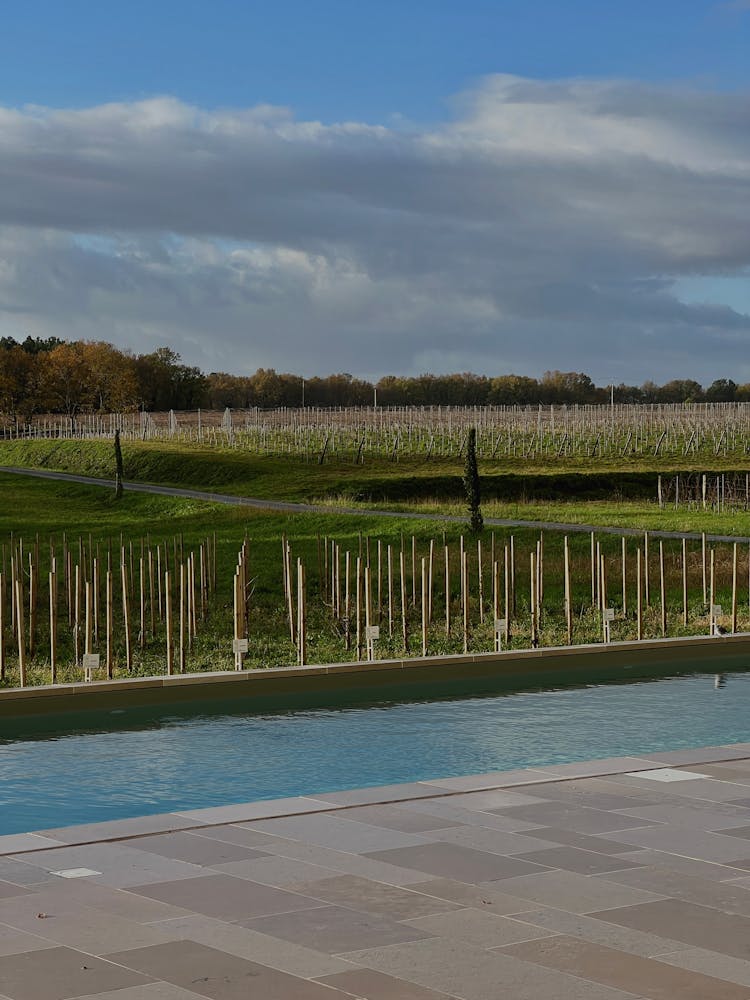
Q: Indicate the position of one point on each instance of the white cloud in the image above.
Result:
(543, 227)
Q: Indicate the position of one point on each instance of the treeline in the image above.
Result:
(54, 376)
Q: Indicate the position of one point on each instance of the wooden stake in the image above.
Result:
(390, 591)
(404, 602)
(507, 593)
(359, 607)
(480, 580)
(301, 616)
(142, 603)
(639, 595)
(32, 607)
(89, 603)
(168, 604)
(662, 591)
(77, 615)
(21, 634)
(52, 622)
(465, 593)
(109, 614)
(183, 616)
(347, 601)
(413, 571)
(446, 556)
(532, 598)
(126, 612)
(2, 623)
(430, 577)
(684, 583)
(568, 602)
(425, 607)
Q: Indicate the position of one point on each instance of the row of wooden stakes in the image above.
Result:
(97, 597)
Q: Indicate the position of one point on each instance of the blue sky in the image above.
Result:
(358, 59)
(376, 187)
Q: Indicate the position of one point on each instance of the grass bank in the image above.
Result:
(38, 509)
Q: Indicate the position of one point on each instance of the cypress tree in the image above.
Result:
(471, 483)
(118, 466)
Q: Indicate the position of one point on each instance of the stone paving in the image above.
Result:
(598, 881)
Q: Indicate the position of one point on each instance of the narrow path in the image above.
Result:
(287, 507)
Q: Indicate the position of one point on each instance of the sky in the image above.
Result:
(382, 187)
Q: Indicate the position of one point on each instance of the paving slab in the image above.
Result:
(454, 861)
(589, 881)
(228, 898)
(473, 973)
(286, 956)
(573, 892)
(335, 929)
(378, 986)
(219, 975)
(572, 816)
(58, 973)
(338, 833)
(203, 851)
(274, 870)
(488, 930)
(624, 939)
(375, 897)
(628, 972)
(701, 926)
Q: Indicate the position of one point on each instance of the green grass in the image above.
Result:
(378, 482)
(46, 508)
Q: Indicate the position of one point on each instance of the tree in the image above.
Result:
(118, 467)
(723, 390)
(165, 384)
(66, 379)
(471, 483)
(19, 389)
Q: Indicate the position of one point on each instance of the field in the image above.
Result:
(622, 434)
(660, 469)
(95, 525)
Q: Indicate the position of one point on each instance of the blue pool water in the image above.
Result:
(182, 762)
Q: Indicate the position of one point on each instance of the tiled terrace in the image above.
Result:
(613, 879)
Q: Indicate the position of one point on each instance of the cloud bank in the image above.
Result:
(544, 226)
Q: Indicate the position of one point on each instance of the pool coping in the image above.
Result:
(594, 661)
(134, 828)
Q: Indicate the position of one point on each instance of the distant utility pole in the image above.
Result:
(303, 392)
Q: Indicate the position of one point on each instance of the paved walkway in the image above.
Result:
(288, 507)
(598, 881)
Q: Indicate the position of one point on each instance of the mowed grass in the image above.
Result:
(411, 486)
(31, 508)
(643, 515)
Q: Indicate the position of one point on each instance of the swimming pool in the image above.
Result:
(173, 762)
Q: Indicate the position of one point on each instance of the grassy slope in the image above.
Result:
(31, 506)
(413, 486)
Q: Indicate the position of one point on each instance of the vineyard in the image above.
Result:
(620, 432)
(83, 608)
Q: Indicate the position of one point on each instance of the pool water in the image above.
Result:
(178, 762)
